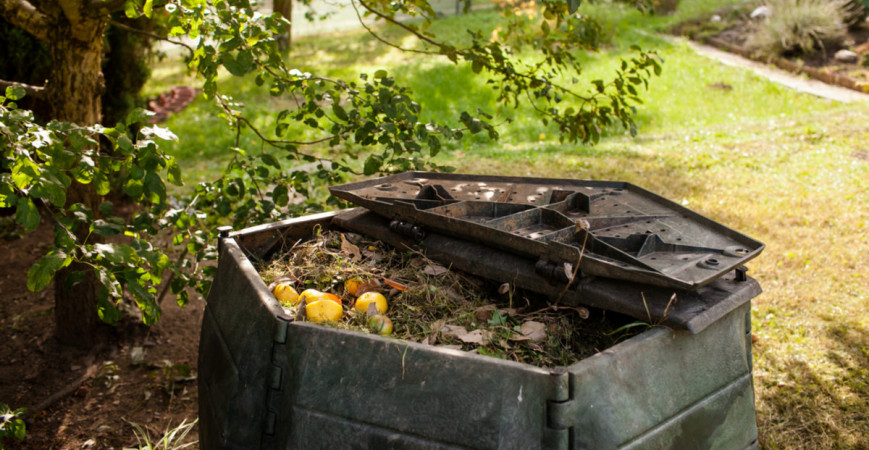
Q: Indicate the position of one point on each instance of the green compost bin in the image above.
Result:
(266, 381)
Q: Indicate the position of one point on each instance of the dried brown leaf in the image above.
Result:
(454, 294)
(434, 270)
(485, 312)
(535, 331)
(349, 250)
(395, 284)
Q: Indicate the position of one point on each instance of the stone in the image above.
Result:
(715, 18)
(846, 56)
(761, 12)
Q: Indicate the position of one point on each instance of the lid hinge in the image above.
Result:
(559, 407)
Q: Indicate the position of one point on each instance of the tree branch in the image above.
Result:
(382, 40)
(115, 23)
(29, 90)
(24, 15)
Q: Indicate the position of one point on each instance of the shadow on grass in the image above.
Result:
(813, 411)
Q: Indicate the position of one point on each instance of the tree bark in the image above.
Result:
(73, 92)
(285, 8)
(76, 80)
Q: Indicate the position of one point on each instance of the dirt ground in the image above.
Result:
(90, 399)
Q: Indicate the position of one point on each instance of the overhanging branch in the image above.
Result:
(24, 15)
(29, 90)
(151, 35)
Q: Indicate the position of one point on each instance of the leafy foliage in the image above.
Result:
(11, 423)
(372, 125)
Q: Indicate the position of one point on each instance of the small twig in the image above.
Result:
(171, 278)
(29, 90)
(151, 35)
(583, 225)
(63, 393)
(382, 40)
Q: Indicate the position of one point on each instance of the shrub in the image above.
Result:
(802, 26)
(856, 12)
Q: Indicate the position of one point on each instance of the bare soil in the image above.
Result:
(89, 398)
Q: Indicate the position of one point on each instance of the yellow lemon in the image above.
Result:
(371, 297)
(380, 324)
(286, 294)
(310, 295)
(324, 311)
(330, 296)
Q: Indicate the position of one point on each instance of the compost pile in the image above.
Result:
(402, 293)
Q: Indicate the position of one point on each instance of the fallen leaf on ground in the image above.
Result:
(349, 250)
(453, 330)
(481, 337)
(454, 294)
(485, 312)
(434, 270)
(394, 284)
(436, 327)
(530, 331)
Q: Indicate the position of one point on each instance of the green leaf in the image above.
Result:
(130, 9)
(108, 228)
(15, 92)
(372, 164)
(155, 187)
(271, 160)
(339, 112)
(105, 208)
(26, 214)
(137, 115)
(174, 174)
(381, 74)
(281, 195)
(74, 279)
(134, 188)
(238, 65)
(101, 183)
(42, 272)
(117, 253)
(162, 133)
(106, 310)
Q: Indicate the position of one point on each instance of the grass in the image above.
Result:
(788, 169)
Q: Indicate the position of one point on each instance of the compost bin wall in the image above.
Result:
(268, 382)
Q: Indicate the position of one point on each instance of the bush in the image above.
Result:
(804, 26)
(856, 12)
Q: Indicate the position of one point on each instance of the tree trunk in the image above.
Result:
(73, 91)
(285, 8)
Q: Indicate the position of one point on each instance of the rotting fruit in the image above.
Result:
(371, 297)
(324, 311)
(380, 324)
(352, 285)
(285, 294)
(313, 295)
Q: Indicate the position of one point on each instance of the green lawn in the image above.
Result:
(789, 169)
